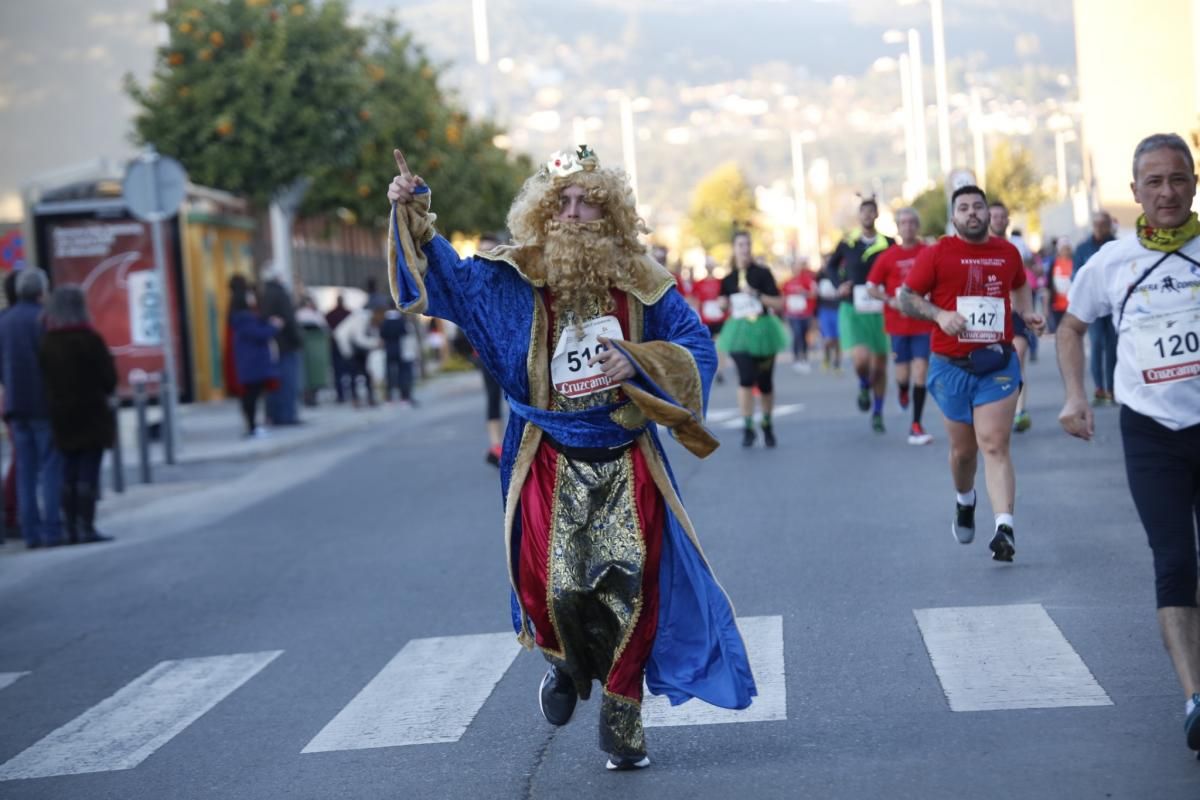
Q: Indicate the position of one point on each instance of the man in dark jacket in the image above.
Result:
(341, 369)
(39, 463)
(282, 405)
(1101, 332)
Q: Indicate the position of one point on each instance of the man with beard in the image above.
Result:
(591, 343)
(974, 282)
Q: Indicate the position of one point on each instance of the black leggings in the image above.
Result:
(250, 395)
(1163, 467)
(755, 371)
(493, 394)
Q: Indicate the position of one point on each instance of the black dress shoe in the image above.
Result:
(557, 696)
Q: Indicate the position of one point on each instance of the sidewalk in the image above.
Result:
(211, 432)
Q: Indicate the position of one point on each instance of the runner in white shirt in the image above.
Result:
(1151, 286)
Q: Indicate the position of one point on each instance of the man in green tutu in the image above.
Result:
(753, 335)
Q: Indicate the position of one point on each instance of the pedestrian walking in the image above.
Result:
(315, 349)
(277, 303)
(1149, 285)
(800, 305)
(253, 339)
(11, 528)
(80, 377)
(1101, 333)
(341, 369)
(396, 332)
(39, 462)
(357, 337)
(592, 343)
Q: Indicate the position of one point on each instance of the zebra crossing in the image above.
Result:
(986, 658)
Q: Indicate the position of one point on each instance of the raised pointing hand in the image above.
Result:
(401, 189)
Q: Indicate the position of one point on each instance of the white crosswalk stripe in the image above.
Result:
(125, 729)
(429, 692)
(731, 418)
(991, 658)
(763, 637)
(9, 678)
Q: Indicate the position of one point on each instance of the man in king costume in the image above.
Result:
(593, 345)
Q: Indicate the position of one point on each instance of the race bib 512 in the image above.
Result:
(570, 371)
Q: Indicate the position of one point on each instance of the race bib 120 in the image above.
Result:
(1168, 346)
(570, 371)
(985, 319)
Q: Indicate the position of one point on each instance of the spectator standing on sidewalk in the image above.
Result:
(316, 347)
(398, 343)
(341, 369)
(39, 462)
(10, 475)
(254, 363)
(356, 337)
(80, 378)
(277, 303)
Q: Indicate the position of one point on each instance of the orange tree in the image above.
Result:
(251, 95)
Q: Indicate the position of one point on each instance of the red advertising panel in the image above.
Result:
(113, 261)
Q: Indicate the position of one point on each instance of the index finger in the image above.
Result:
(401, 163)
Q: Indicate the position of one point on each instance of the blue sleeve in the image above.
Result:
(258, 330)
(671, 319)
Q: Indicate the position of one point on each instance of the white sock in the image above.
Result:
(1004, 519)
(1188, 706)
(967, 499)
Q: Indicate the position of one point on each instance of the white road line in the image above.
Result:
(429, 692)
(9, 678)
(991, 658)
(732, 418)
(125, 729)
(764, 644)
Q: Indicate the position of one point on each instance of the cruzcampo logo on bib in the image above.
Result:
(570, 371)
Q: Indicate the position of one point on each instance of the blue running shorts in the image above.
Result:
(957, 392)
(906, 348)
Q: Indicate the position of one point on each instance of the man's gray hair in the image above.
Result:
(32, 283)
(67, 307)
(1159, 141)
(908, 210)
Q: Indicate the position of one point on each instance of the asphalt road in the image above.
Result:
(277, 593)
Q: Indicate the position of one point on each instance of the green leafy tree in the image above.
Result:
(933, 209)
(721, 202)
(1012, 179)
(251, 95)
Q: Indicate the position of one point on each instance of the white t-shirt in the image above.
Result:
(1158, 367)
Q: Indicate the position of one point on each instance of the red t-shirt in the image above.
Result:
(707, 293)
(955, 268)
(890, 269)
(803, 287)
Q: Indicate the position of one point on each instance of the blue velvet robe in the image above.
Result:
(698, 651)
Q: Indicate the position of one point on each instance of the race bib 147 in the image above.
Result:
(985, 319)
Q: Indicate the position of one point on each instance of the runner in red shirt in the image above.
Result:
(910, 337)
(800, 303)
(706, 299)
(975, 375)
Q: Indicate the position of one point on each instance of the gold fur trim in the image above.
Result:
(674, 370)
(412, 225)
(531, 437)
(648, 284)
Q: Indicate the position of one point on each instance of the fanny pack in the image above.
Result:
(985, 360)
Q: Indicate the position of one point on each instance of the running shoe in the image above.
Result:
(918, 436)
(1022, 422)
(1191, 725)
(748, 437)
(624, 763)
(904, 398)
(864, 400)
(1100, 398)
(493, 457)
(557, 696)
(877, 423)
(768, 435)
(1003, 544)
(964, 523)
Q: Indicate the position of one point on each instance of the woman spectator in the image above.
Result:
(314, 335)
(254, 360)
(80, 378)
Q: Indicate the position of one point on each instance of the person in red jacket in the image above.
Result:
(910, 337)
(706, 299)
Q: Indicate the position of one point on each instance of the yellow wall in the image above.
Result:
(212, 254)
(1139, 73)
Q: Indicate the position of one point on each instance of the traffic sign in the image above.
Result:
(154, 187)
